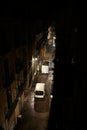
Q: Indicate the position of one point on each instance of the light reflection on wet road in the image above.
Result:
(35, 112)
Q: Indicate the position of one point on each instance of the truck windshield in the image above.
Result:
(39, 92)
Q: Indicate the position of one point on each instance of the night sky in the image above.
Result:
(36, 16)
(34, 9)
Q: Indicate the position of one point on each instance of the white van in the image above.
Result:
(45, 69)
(39, 91)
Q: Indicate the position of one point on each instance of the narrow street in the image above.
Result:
(35, 113)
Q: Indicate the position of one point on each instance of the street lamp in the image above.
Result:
(54, 38)
(35, 59)
(34, 63)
